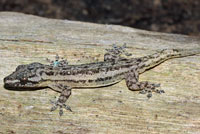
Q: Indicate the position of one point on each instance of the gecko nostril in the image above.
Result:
(5, 79)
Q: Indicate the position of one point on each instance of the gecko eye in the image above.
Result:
(30, 67)
(24, 79)
(19, 67)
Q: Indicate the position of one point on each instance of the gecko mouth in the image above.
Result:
(20, 85)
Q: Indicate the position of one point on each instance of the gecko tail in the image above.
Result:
(153, 60)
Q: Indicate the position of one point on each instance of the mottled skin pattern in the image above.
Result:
(62, 78)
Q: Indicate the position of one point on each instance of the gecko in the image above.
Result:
(62, 77)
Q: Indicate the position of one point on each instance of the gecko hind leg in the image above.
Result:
(144, 87)
(115, 53)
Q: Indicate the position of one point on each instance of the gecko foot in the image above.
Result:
(151, 88)
(58, 62)
(57, 104)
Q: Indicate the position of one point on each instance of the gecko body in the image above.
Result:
(62, 77)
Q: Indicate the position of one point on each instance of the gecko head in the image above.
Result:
(25, 77)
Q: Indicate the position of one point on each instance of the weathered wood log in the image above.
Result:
(115, 109)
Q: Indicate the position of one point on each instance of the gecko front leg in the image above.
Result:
(65, 94)
(133, 84)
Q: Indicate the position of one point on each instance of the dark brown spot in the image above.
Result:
(99, 79)
(142, 65)
(107, 69)
(89, 72)
(82, 81)
(139, 60)
(90, 81)
(107, 78)
(62, 73)
(50, 68)
(125, 66)
(49, 73)
(95, 70)
(81, 72)
(41, 72)
(111, 68)
(75, 81)
(73, 72)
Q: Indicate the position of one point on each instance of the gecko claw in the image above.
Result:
(61, 112)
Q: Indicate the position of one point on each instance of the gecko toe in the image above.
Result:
(149, 95)
(67, 107)
(55, 105)
(54, 108)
